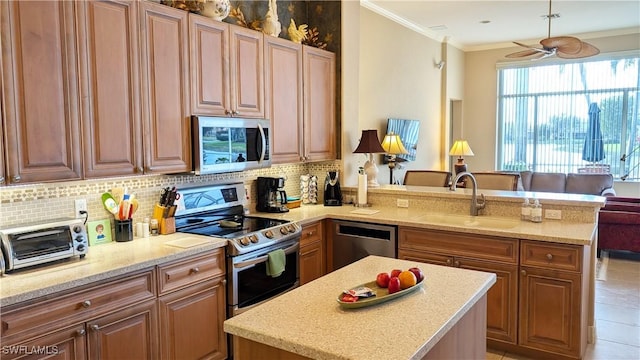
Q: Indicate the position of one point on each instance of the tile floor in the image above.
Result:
(617, 313)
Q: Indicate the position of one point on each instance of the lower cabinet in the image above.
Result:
(174, 311)
(538, 304)
(312, 252)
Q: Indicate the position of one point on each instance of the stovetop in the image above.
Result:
(225, 219)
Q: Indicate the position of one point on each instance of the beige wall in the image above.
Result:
(396, 78)
(480, 101)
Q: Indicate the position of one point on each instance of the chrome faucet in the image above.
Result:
(475, 205)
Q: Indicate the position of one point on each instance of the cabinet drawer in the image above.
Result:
(547, 255)
(459, 244)
(182, 273)
(78, 306)
(311, 233)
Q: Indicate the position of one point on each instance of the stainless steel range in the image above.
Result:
(217, 210)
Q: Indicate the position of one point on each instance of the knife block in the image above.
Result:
(167, 226)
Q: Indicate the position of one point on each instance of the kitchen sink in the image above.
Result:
(469, 221)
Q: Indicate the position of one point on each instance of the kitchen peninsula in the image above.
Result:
(430, 322)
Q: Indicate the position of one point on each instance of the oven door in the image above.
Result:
(249, 283)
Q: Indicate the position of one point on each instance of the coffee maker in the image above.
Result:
(271, 195)
(332, 192)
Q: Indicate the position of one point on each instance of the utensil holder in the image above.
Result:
(123, 230)
(167, 226)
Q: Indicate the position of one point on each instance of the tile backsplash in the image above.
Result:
(46, 201)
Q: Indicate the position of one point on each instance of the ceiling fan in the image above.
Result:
(566, 47)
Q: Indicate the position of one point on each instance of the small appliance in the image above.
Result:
(271, 195)
(332, 192)
(38, 243)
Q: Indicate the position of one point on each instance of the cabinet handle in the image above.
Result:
(523, 272)
(17, 178)
(95, 327)
(195, 270)
(80, 332)
(549, 257)
(86, 303)
(456, 263)
(139, 169)
(449, 262)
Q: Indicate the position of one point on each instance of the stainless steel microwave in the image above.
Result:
(229, 144)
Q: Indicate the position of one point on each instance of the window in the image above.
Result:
(570, 117)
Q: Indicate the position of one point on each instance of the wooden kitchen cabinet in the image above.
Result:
(284, 106)
(226, 69)
(319, 104)
(193, 307)
(111, 98)
(117, 318)
(40, 91)
(165, 88)
(312, 252)
(553, 297)
(475, 252)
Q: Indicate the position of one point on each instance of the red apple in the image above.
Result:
(394, 285)
(395, 272)
(418, 273)
(382, 279)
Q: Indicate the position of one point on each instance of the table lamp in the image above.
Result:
(392, 145)
(460, 148)
(370, 144)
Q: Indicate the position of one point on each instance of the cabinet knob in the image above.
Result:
(139, 170)
(16, 178)
(224, 282)
(80, 332)
(523, 272)
(549, 257)
(95, 327)
(227, 112)
(449, 262)
(1, 179)
(456, 263)
(310, 233)
(86, 303)
(195, 270)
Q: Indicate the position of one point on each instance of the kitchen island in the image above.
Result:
(448, 310)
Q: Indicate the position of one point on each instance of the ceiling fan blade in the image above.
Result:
(565, 44)
(586, 50)
(524, 53)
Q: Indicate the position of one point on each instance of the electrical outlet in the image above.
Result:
(553, 214)
(81, 205)
(403, 203)
(247, 192)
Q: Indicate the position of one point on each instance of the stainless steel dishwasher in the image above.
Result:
(353, 241)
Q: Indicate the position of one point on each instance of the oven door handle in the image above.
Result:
(264, 258)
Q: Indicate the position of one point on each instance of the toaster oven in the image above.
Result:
(34, 244)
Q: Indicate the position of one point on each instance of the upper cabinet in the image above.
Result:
(40, 91)
(319, 104)
(227, 76)
(111, 106)
(165, 89)
(283, 89)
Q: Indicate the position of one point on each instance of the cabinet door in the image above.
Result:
(165, 89)
(111, 107)
(191, 322)
(283, 93)
(209, 50)
(319, 104)
(246, 54)
(311, 262)
(550, 310)
(131, 333)
(502, 298)
(40, 91)
(63, 344)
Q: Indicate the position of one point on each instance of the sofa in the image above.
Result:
(583, 183)
(619, 224)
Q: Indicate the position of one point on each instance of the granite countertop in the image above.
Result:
(309, 321)
(102, 262)
(548, 230)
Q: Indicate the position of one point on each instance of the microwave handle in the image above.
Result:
(264, 143)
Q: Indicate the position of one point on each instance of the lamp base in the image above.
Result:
(460, 168)
(371, 170)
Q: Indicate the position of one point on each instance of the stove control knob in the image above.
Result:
(291, 228)
(268, 234)
(253, 238)
(244, 241)
(283, 230)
